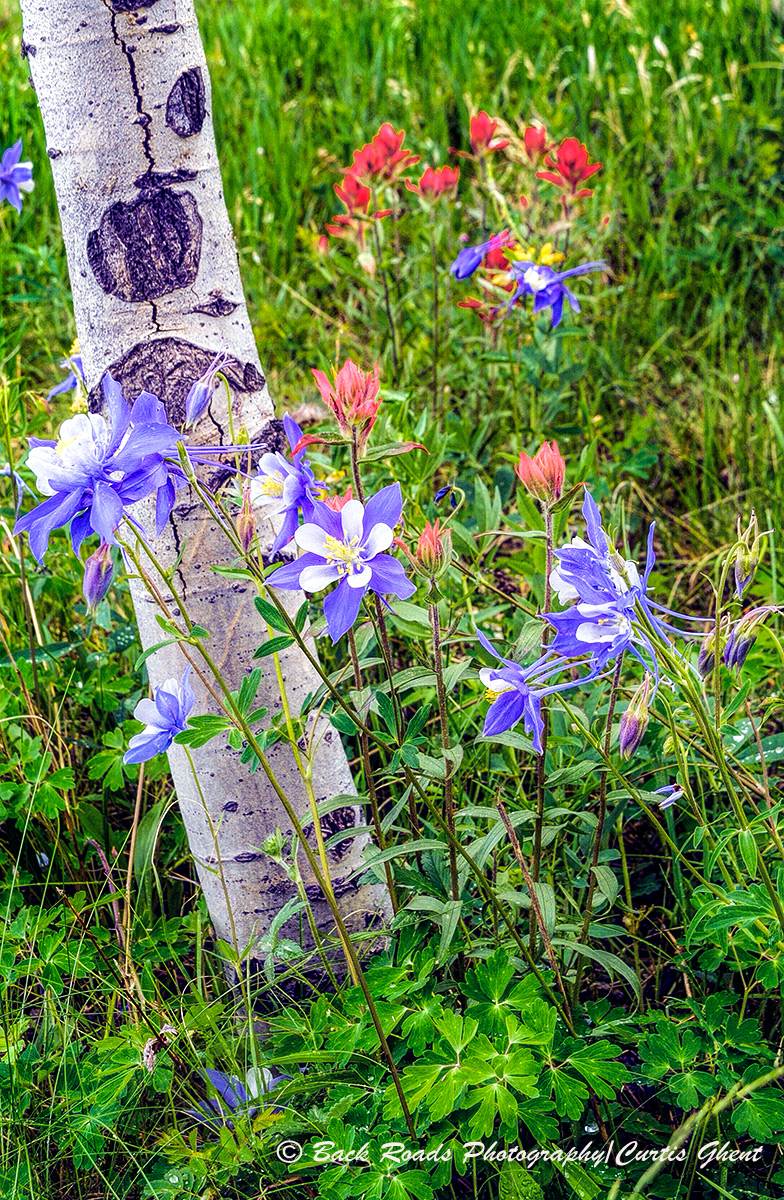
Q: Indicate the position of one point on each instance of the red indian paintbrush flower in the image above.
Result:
(353, 398)
(434, 550)
(535, 141)
(383, 158)
(441, 181)
(482, 130)
(543, 475)
(336, 503)
(356, 199)
(572, 167)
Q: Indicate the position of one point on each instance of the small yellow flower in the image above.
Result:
(691, 32)
(549, 257)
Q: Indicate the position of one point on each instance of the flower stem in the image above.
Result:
(369, 781)
(597, 841)
(385, 285)
(449, 809)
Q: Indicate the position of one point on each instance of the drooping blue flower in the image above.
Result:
(15, 176)
(20, 487)
(234, 1097)
(285, 487)
(201, 391)
(163, 717)
(74, 378)
(670, 794)
(348, 547)
(743, 634)
(471, 257)
(547, 286)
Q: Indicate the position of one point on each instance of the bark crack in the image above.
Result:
(144, 119)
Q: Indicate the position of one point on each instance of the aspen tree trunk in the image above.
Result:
(125, 95)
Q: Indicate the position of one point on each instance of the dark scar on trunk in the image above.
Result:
(160, 179)
(124, 6)
(216, 306)
(168, 367)
(186, 106)
(147, 248)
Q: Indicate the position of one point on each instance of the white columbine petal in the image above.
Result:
(351, 516)
(313, 579)
(361, 578)
(379, 539)
(486, 675)
(313, 538)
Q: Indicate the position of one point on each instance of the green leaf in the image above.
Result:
(517, 1183)
(147, 837)
(202, 730)
(611, 962)
(606, 881)
(748, 849)
(448, 922)
(270, 614)
(274, 646)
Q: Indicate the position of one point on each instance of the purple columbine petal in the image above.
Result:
(341, 609)
(504, 713)
(389, 577)
(142, 747)
(57, 510)
(384, 508)
(106, 512)
(287, 575)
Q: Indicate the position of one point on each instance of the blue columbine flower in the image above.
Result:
(95, 469)
(15, 176)
(348, 547)
(602, 630)
(547, 286)
(516, 692)
(74, 378)
(284, 487)
(471, 256)
(163, 718)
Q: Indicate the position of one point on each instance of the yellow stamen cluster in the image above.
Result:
(346, 556)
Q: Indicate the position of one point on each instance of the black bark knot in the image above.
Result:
(167, 367)
(186, 106)
(124, 6)
(148, 247)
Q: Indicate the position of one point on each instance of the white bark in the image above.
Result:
(125, 98)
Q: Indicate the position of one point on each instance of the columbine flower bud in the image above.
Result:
(98, 572)
(743, 634)
(635, 720)
(201, 391)
(433, 551)
(747, 555)
(246, 523)
(543, 475)
(353, 398)
(706, 659)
